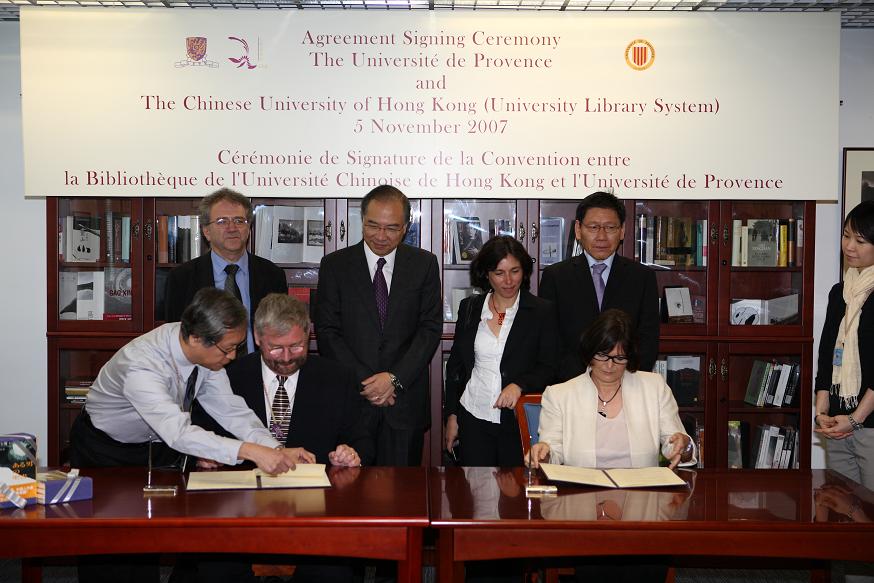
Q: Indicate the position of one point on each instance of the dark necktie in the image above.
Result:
(189, 391)
(280, 412)
(597, 270)
(380, 291)
(232, 288)
(231, 282)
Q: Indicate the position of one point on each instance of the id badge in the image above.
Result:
(838, 357)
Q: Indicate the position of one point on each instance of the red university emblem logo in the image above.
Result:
(639, 54)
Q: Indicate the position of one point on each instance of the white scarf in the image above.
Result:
(847, 376)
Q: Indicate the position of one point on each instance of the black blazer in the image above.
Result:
(631, 287)
(347, 325)
(185, 281)
(530, 355)
(834, 313)
(326, 412)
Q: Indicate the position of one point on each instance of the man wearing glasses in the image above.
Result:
(379, 311)
(584, 286)
(225, 217)
(304, 400)
(146, 390)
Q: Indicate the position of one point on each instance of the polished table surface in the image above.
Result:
(482, 513)
(374, 513)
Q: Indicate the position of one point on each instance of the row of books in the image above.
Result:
(772, 383)
(766, 242)
(772, 446)
(179, 238)
(683, 375)
(671, 241)
(782, 310)
(95, 295)
(290, 234)
(84, 238)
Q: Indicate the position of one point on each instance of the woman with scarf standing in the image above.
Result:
(845, 376)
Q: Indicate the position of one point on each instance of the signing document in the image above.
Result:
(303, 476)
(615, 478)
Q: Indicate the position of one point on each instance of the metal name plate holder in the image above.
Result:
(152, 490)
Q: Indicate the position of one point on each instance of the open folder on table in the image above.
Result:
(615, 478)
(303, 476)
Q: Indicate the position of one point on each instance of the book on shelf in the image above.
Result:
(756, 383)
(298, 234)
(763, 242)
(196, 236)
(677, 305)
(671, 241)
(68, 282)
(118, 301)
(467, 239)
(163, 239)
(183, 238)
(551, 240)
(775, 447)
(82, 239)
(781, 310)
(89, 295)
(683, 376)
(109, 230)
(747, 312)
(172, 235)
(735, 445)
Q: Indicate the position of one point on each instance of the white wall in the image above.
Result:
(23, 283)
(23, 279)
(856, 129)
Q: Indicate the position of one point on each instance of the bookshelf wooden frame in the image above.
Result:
(714, 337)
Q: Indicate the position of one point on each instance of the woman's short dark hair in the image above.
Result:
(211, 314)
(492, 253)
(861, 220)
(612, 327)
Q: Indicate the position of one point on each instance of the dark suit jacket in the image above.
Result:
(631, 287)
(326, 412)
(185, 281)
(530, 355)
(347, 325)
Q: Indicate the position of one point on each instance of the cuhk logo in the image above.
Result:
(195, 50)
(639, 54)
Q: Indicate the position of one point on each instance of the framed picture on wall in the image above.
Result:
(858, 177)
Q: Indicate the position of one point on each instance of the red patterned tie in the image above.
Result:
(380, 291)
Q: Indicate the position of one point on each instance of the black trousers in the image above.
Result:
(91, 447)
(394, 447)
(482, 443)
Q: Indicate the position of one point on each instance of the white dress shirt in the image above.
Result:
(137, 397)
(484, 385)
(271, 385)
(387, 269)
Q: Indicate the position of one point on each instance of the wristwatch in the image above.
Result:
(855, 424)
(396, 383)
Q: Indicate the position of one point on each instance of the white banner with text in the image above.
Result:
(171, 102)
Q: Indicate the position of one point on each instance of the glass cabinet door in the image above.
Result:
(97, 284)
(763, 261)
(554, 240)
(673, 239)
(174, 236)
(467, 225)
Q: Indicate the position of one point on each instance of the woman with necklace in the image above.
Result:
(506, 343)
(611, 416)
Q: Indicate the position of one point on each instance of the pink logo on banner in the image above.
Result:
(639, 54)
(243, 60)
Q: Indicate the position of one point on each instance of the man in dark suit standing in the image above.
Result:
(379, 310)
(599, 279)
(225, 217)
(301, 399)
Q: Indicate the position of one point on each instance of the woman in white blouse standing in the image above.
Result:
(506, 344)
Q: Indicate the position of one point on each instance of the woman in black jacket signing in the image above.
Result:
(506, 344)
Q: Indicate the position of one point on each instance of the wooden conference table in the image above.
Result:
(376, 513)
(482, 513)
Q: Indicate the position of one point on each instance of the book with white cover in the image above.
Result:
(67, 283)
(83, 239)
(89, 295)
(551, 240)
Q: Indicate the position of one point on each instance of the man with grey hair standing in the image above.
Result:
(226, 218)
